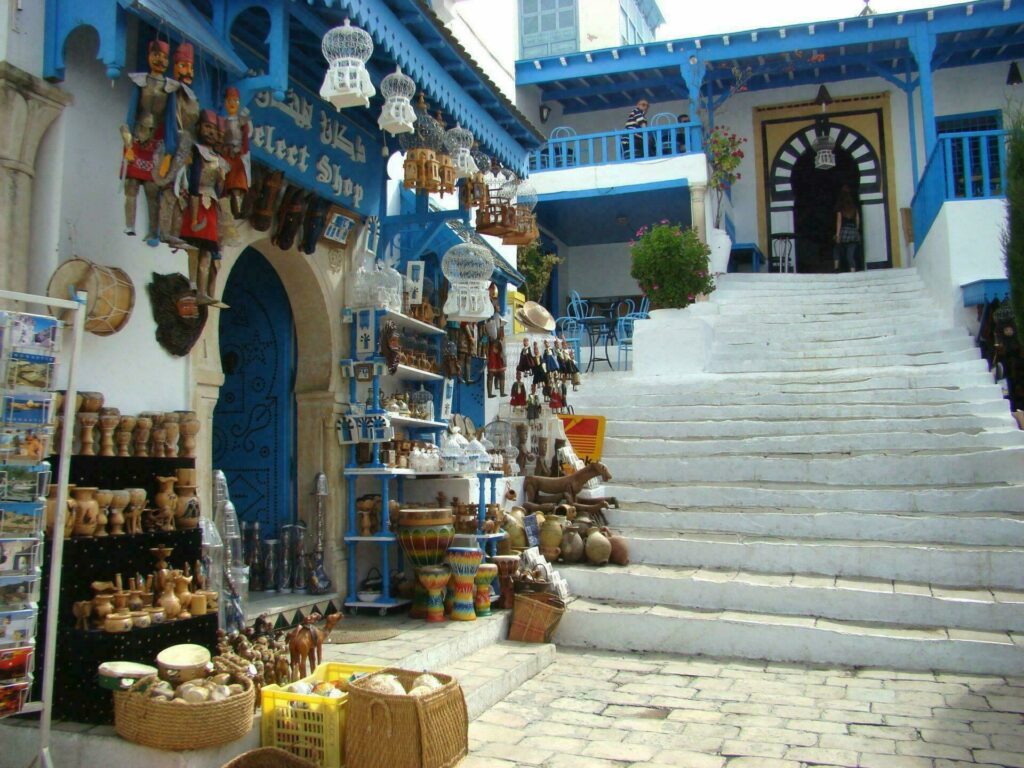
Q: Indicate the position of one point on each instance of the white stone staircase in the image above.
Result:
(844, 484)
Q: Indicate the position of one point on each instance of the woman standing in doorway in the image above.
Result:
(847, 237)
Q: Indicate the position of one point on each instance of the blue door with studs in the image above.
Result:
(254, 421)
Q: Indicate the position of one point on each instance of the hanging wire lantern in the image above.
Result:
(459, 142)
(468, 267)
(347, 83)
(422, 169)
(446, 167)
(824, 145)
(474, 189)
(498, 216)
(397, 115)
(526, 223)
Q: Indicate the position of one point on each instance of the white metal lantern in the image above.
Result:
(397, 115)
(824, 153)
(459, 142)
(347, 83)
(468, 267)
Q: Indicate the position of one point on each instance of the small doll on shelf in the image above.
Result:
(533, 404)
(518, 392)
(569, 367)
(540, 373)
(551, 362)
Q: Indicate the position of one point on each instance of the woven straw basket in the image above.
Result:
(170, 726)
(535, 617)
(391, 731)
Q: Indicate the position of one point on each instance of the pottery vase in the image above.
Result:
(87, 423)
(571, 544)
(91, 402)
(51, 508)
(434, 580)
(70, 514)
(87, 510)
(186, 513)
(115, 522)
(189, 427)
(109, 419)
(143, 426)
(166, 501)
(550, 538)
(485, 574)
(464, 562)
(102, 606)
(135, 601)
(170, 602)
(598, 548)
(123, 436)
(507, 567)
(182, 583)
(103, 498)
(620, 550)
(173, 430)
(158, 439)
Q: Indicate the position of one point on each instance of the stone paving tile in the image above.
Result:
(595, 709)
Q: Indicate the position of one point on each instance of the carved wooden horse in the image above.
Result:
(566, 487)
(306, 644)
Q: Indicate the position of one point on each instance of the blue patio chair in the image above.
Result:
(624, 338)
(572, 332)
(644, 312)
(577, 307)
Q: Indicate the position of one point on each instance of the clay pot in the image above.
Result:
(87, 422)
(87, 511)
(550, 534)
(186, 476)
(158, 437)
(115, 522)
(102, 605)
(516, 533)
(103, 498)
(620, 550)
(186, 513)
(156, 614)
(123, 436)
(181, 590)
(117, 622)
(135, 601)
(189, 428)
(141, 619)
(572, 544)
(197, 605)
(170, 602)
(173, 430)
(598, 548)
(109, 419)
(143, 426)
(91, 402)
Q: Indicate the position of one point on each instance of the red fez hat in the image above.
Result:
(231, 91)
(184, 52)
(159, 45)
(209, 116)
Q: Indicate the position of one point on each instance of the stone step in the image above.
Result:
(828, 307)
(492, 673)
(751, 427)
(830, 597)
(883, 345)
(989, 528)
(617, 450)
(721, 363)
(935, 468)
(799, 281)
(953, 565)
(630, 627)
(996, 497)
(861, 297)
(985, 393)
(729, 330)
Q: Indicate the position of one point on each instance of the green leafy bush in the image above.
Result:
(535, 266)
(1013, 237)
(671, 265)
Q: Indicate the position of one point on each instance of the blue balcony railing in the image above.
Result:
(963, 166)
(617, 147)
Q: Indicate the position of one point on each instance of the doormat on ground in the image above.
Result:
(360, 631)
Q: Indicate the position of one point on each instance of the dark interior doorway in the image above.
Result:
(814, 199)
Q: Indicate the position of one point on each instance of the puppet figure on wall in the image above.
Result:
(205, 177)
(183, 119)
(137, 169)
(467, 350)
(518, 399)
(154, 90)
(495, 331)
(525, 359)
(236, 151)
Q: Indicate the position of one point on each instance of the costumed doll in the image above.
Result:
(138, 171)
(533, 404)
(551, 365)
(525, 359)
(568, 360)
(205, 176)
(154, 89)
(236, 151)
(495, 354)
(182, 120)
(467, 350)
(555, 401)
(540, 373)
(518, 399)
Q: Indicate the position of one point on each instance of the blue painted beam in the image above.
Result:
(923, 46)
(624, 86)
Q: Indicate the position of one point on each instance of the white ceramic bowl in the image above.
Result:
(369, 596)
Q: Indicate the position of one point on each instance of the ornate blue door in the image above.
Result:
(253, 423)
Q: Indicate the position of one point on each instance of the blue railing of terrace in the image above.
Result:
(617, 147)
(963, 166)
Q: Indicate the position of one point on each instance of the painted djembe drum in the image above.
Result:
(425, 535)
(434, 580)
(485, 574)
(507, 567)
(464, 562)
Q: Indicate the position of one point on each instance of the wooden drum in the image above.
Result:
(111, 294)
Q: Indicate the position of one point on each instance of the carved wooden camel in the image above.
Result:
(544, 493)
(306, 644)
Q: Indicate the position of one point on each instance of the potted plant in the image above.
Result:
(671, 265)
(724, 151)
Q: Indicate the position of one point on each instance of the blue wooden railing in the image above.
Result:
(969, 165)
(617, 147)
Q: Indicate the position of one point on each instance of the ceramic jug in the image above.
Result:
(87, 511)
(572, 544)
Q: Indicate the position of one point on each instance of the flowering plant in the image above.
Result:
(671, 265)
(725, 153)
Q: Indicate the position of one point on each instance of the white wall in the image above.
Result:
(963, 245)
(690, 167)
(599, 270)
(21, 34)
(599, 24)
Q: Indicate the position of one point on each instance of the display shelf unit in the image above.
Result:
(406, 323)
(408, 373)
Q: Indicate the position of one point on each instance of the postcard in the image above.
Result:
(15, 662)
(17, 627)
(18, 556)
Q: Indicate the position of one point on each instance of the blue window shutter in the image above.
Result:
(548, 27)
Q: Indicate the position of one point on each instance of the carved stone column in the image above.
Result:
(697, 194)
(28, 105)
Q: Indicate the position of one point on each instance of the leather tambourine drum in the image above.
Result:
(110, 293)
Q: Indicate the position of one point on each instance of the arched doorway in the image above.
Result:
(815, 193)
(254, 420)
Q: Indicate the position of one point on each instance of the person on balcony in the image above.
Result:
(847, 237)
(636, 120)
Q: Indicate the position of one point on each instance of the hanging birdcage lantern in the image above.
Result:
(347, 83)
(459, 142)
(468, 267)
(397, 115)
(474, 190)
(498, 216)
(824, 145)
(526, 222)
(422, 170)
(446, 167)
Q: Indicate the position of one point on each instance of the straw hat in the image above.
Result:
(535, 317)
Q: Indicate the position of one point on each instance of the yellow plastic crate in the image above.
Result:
(311, 727)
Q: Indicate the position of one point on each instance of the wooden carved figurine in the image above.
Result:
(305, 644)
(289, 217)
(495, 355)
(183, 119)
(518, 399)
(390, 345)
(236, 151)
(467, 349)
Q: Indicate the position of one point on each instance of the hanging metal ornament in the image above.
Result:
(526, 222)
(459, 142)
(824, 145)
(473, 192)
(444, 160)
(422, 169)
(397, 115)
(468, 267)
(347, 83)
(498, 216)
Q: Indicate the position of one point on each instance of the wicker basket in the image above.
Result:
(535, 617)
(391, 731)
(176, 726)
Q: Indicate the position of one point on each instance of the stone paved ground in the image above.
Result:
(593, 709)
